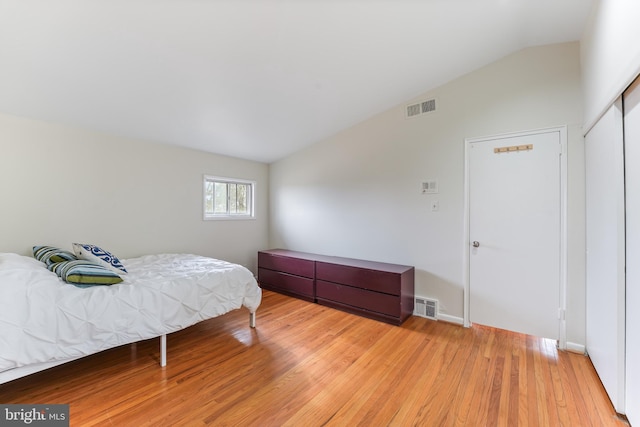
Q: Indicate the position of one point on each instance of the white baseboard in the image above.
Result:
(450, 319)
(576, 348)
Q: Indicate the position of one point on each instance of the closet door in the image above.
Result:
(631, 99)
(606, 253)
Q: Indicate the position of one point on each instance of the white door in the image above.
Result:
(632, 179)
(605, 260)
(514, 213)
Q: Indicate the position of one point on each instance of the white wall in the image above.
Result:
(610, 54)
(357, 194)
(60, 185)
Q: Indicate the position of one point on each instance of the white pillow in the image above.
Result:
(100, 256)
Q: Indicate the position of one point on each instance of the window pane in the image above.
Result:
(233, 193)
(208, 197)
(220, 198)
(241, 199)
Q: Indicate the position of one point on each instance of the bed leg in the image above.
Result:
(252, 320)
(163, 350)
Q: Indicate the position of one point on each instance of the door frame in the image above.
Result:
(562, 131)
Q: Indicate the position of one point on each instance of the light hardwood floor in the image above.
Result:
(308, 365)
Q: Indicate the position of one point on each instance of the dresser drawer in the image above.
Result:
(375, 280)
(297, 266)
(286, 282)
(360, 298)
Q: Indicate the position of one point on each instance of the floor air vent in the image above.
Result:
(425, 307)
(420, 108)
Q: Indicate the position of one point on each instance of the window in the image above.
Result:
(227, 198)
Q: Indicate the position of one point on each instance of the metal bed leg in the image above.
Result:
(163, 350)
(252, 320)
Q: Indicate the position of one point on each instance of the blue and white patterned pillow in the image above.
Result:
(98, 255)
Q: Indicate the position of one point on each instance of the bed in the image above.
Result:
(45, 322)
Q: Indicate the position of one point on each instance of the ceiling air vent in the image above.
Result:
(420, 108)
(414, 110)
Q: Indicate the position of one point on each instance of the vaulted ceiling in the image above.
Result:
(256, 79)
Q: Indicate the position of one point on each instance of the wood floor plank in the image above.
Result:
(311, 365)
(448, 382)
(462, 411)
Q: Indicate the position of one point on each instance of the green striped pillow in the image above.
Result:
(50, 254)
(83, 273)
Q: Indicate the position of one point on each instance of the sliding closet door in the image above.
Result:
(631, 99)
(606, 253)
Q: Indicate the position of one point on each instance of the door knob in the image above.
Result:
(476, 244)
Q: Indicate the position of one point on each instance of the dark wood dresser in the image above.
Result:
(376, 290)
(288, 272)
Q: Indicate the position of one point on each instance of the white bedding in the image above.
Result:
(43, 319)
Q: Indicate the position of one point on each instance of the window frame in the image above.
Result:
(228, 216)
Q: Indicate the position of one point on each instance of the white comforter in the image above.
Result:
(43, 319)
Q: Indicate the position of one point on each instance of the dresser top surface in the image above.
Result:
(350, 262)
(292, 254)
